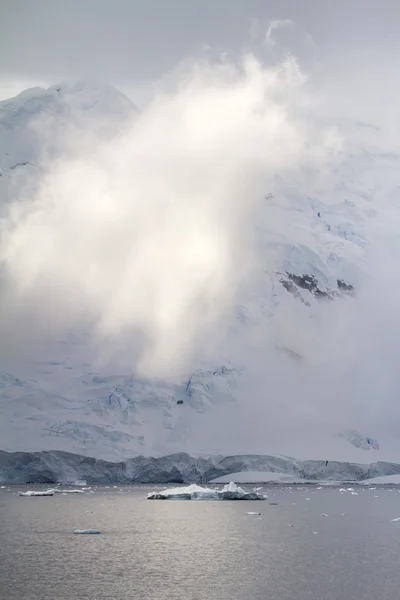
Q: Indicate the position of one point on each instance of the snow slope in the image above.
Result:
(24, 152)
(306, 382)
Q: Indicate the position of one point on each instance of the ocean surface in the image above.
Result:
(195, 550)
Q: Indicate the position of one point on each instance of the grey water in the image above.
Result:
(197, 550)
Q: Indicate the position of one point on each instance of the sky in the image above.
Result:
(349, 48)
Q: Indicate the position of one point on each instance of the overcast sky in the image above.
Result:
(351, 46)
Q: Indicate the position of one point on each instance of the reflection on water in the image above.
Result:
(195, 550)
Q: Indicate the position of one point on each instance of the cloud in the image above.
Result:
(285, 37)
(145, 238)
(275, 25)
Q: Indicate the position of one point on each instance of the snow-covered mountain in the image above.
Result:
(300, 372)
(86, 105)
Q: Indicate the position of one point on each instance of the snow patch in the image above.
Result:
(258, 477)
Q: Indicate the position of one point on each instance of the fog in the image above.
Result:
(148, 234)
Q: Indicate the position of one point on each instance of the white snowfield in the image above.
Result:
(382, 480)
(299, 374)
(259, 477)
(231, 491)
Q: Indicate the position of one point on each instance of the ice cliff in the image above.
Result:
(63, 467)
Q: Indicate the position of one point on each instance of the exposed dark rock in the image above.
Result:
(309, 283)
(291, 353)
(292, 289)
(345, 287)
(293, 283)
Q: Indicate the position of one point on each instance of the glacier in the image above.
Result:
(302, 391)
(61, 467)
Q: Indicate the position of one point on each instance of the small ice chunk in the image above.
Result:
(396, 520)
(59, 491)
(324, 515)
(37, 493)
(87, 531)
(253, 513)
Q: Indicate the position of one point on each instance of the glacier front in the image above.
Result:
(62, 467)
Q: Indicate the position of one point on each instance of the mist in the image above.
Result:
(146, 237)
(156, 236)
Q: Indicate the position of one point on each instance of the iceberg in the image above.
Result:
(40, 493)
(230, 491)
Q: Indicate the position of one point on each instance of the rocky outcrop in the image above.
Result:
(294, 283)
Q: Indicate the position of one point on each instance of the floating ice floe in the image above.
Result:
(59, 491)
(87, 531)
(38, 493)
(253, 513)
(196, 492)
(396, 520)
